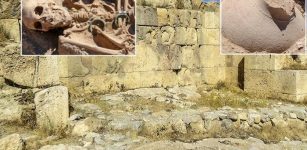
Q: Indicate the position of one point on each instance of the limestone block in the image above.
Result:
(149, 35)
(185, 36)
(11, 28)
(258, 81)
(208, 36)
(71, 67)
(190, 77)
(284, 84)
(234, 61)
(195, 19)
(265, 62)
(146, 16)
(191, 36)
(173, 17)
(213, 75)
(125, 81)
(12, 142)
(22, 71)
(10, 9)
(212, 20)
(10, 111)
(175, 57)
(28, 71)
(184, 17)
(158, 79)
(190, 56)
(184, 4)
(167, 35)
(163, 17)
(210, 56)
(235, 76)
(52, 110)
(195, 4)
(301, 82)
(47, 73)
(149, 58)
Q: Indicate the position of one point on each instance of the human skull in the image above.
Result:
(44, 15)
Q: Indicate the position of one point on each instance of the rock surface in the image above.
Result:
(12, 142)
(52, 110)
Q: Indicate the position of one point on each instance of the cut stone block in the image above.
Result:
(52, 110)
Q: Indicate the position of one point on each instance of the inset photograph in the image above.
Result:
(263, 27)
(78, 27)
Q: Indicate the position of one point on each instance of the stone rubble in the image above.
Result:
(89, 127)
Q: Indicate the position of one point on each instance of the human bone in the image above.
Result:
(44, 15)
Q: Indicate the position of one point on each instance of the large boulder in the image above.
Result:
(52, 108)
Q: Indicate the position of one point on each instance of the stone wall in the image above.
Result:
(174, 47)
(265, 75)
(177, 45)
(10, 28)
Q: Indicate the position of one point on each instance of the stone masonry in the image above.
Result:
(176, 45)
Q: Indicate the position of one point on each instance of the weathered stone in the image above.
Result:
(88, 109)
(124, 122)
(167, 36)
(12, 142)
(10, 111)
(208, 36)
(11, 28)
(227, 123)
(197, 126)
(184, 17)
(62, 147)
(94, 138)
(256, 118)
(223, 116)
(146, 16)
(52, 110)
(185, 36)
(242, 116)
(279, 122)
(300, 115)
(31, 71)
(187, 92)
(45, 66)
(163, 18)
(157, 126)
(213, 20)
(87, 125)
(173, 17)
(184, 4)
(296, 124)
(292, 116)
(179, 126)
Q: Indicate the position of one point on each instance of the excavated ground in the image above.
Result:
(211, 117)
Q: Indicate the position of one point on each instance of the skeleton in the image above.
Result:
(44, 15)
(101, 24)
(90, 26)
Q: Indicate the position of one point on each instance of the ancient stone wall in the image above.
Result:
(266, 75)
(176, 45)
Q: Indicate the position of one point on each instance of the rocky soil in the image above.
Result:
(209, 117)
